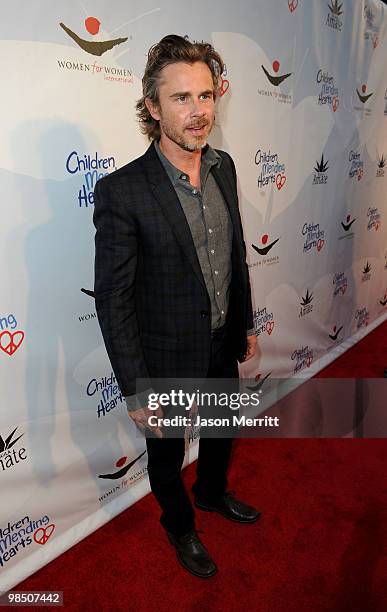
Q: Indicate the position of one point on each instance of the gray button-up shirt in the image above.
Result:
(211, 228)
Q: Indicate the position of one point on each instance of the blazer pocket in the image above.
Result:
(160, 342)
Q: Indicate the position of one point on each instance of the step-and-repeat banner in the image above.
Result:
(303, 112)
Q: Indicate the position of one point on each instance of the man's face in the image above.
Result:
(186, 108)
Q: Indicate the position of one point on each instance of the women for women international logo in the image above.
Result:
(362, 95)
(96, 45)
(275, 77)
(263, 249)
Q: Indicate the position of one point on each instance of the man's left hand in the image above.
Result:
(251, 347)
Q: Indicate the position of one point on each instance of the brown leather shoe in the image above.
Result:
(193, 555)
(230, 508)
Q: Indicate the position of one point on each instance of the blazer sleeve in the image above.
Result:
(249, 313)
(114, 286)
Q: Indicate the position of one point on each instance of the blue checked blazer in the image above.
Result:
(151, 300)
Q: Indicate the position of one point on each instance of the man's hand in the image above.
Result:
(141, 419)
(251, 347)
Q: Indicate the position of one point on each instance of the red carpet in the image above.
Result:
(320, 545)
(367, 359)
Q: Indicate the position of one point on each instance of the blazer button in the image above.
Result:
(204, 313)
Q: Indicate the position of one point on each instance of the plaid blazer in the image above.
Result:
(151, 300)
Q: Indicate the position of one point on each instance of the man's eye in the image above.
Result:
(205, 96)
(181, 98)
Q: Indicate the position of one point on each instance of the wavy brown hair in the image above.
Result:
(170, 50)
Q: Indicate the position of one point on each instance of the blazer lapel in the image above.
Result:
(169, 203)
(227, 189)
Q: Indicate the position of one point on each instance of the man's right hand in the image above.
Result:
(141, 419)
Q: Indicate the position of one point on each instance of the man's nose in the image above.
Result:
(196, 108)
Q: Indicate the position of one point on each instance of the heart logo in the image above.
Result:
(377, 225)
(280, 180)
(269, 327)
(375, 40)
(359, 174)
(320, 244)
(9, 343)
(309, 361)
(224, 87)
(43, 534)
(335, 104)
(292, 4)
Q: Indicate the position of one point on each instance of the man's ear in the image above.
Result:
(152, 108)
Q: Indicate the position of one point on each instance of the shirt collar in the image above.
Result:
(209, 158)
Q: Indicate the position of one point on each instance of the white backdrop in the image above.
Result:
(304, 115)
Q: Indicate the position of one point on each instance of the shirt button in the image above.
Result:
(204, 207)
(184, 177)
(212, 251)
(194, 191)
(216, 272)
(222, 312)
(218, 293)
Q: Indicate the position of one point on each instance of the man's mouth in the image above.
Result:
(197, 129)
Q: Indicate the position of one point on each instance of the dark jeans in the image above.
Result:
(166, 456)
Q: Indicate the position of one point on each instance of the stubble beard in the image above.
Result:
(195, 144)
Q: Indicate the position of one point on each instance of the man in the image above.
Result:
(171, 282)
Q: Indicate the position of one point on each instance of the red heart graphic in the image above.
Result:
(309, 361)
(377, 225)
(320, 244)
(375, 40)
(46, 533)
(224, 87)
(280, 180)
(292, 4)
(335, 104)
(269, 327)
(9, 343)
